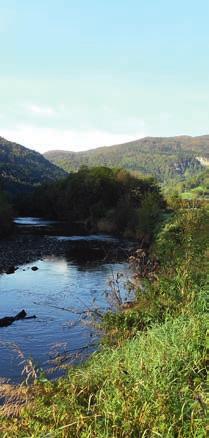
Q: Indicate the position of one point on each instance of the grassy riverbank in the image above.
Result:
(150, 377)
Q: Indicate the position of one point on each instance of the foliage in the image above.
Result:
(101, 199)
(182, 243)
(195, 187)
(169, 278)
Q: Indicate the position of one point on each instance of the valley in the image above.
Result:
(108, 265)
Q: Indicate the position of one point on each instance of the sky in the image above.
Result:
(78, 74)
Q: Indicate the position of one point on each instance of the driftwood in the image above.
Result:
(8, 320)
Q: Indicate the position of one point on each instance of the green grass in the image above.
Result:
(188, 195)
(153, 385)
(199, 192)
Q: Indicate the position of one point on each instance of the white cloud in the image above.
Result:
(41, 111)
(44, 139)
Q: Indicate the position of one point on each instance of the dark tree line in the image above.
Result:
(6, 215)
(103, 199)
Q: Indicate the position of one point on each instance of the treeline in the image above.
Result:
(102, 200)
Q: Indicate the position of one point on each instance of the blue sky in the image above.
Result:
(80, 74)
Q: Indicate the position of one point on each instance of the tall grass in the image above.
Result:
(154, 385)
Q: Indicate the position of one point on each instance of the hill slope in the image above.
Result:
(165, 158)
(21, 169)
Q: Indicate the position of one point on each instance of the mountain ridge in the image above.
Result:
(163, 157)
(132, 142)
(21, 168)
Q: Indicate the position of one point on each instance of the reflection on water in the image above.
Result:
(88, 238)
(59, 283)
(33, 221)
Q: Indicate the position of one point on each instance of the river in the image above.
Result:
(60, 293)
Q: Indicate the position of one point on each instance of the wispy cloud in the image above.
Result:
(41, 110)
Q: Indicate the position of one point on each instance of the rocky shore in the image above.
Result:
(21, 249)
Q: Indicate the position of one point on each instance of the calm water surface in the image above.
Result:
(33, 221)
(58, 282)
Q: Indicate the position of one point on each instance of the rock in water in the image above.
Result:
(10, 270)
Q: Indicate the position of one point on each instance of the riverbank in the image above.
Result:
(151, 377)
(135, 390)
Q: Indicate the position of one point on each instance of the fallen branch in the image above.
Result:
(85, 312)
(8, 320)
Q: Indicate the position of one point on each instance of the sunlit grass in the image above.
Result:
(154, 385)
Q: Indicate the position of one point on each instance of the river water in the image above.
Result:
(60, 283)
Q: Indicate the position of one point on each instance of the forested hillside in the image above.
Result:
(21, 169)
(165, 158)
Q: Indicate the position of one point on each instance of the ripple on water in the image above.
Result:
(58, 283)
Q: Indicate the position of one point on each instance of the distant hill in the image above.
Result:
(21, 169)
(165, 158)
